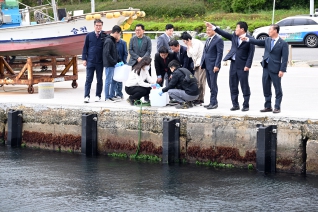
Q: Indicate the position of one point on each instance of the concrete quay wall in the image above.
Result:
(225, 139)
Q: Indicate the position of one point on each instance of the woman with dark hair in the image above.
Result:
(136, 87)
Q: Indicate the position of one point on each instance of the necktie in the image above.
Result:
(207, 43)
(178, 55)
(238, 42)
(97, 35)
(272, 43)
(164, 61)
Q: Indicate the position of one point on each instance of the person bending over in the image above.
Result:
(183, 86)
(136, 87)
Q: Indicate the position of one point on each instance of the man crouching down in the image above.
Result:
(183, 86)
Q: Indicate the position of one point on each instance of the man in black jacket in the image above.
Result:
(180, 54)
(162, 59)
(110, 59)
(183, 86)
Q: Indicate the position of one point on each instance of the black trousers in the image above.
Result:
(239, 76)
(268, 79)
(136, 92)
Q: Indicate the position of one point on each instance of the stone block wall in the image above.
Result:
(223, 139)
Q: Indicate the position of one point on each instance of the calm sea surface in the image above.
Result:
(37, 180)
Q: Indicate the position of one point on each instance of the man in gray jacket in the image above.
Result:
(164, 39)
(139, 45)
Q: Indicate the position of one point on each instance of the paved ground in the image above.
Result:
(300, 85)
(300, 99)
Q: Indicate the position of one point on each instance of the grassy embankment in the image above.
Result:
(196, 22)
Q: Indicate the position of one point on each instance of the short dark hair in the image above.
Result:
(98, 21)
(143, 62)
(163, 49)
(276, 27)
(140, 25)
(243, 25)
(116, 28)
(174, 63)
(169, 26)
(174, 43)
(185, 36)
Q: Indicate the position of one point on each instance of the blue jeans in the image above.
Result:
(118, 89)
(109, 82)
(89, 79)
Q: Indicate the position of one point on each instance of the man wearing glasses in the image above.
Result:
(139, 45)
(92, 57)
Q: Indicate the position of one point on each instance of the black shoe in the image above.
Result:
(183, 105)
(276, 110)
(190, 104)
(197, 102)
(212, 107)
(130, 101)
(206, 106)
(245, 109)
(235, 108)
(266, 110)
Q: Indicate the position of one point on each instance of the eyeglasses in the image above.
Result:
(98, 25)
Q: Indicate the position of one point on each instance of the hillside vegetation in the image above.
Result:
(190, 14)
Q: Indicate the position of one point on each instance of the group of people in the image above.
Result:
(183, 71)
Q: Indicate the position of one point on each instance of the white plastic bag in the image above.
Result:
(121, 73)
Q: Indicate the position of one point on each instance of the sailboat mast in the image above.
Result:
(55, 10)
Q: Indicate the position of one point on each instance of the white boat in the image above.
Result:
(21, 37)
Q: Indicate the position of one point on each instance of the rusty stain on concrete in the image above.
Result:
(66, 140)
(220, 154)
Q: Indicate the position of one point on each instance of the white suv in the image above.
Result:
(294, 30)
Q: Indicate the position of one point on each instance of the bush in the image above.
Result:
(247, 6)
(178, 26)
(166, 8)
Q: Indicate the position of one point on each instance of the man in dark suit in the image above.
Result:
(164, 39)
(162, 59)
(92, 57)
(241, 57)
(274, 66)
(180, 54)
(211, 62)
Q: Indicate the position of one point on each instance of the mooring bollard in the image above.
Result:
(266, 148)
(171, 140)
(89, 134)
(14, 138)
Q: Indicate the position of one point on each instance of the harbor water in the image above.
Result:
(37, 180)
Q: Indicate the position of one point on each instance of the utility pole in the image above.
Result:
(92, 6)
(273, 12)
(312, 4)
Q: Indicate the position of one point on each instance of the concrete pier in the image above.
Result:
(217, 135)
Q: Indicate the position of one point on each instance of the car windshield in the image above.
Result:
(286, 22)
(311, 22)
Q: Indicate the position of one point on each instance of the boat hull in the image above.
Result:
(52, 39)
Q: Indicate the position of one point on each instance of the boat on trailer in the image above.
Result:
(62, 34)
(48, 41)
